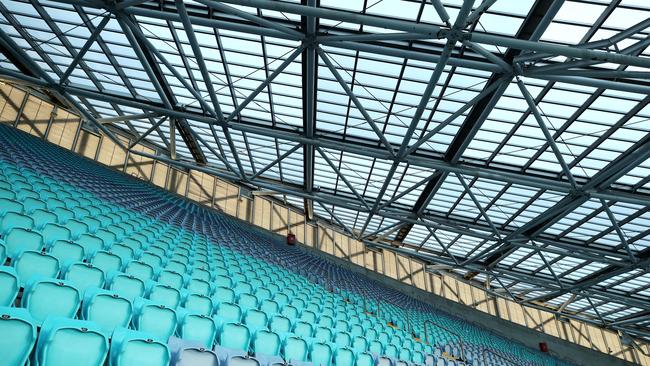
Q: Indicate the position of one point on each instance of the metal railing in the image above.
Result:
(460, 339)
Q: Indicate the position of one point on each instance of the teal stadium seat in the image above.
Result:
(344, 357)
(266, 343)
(18, 336)
(134, 348)
(22, 239)
(126, 285)
(64, 342)
(154, 318)
(235, 336)
(199, 328)
(9, 285)
(294, 349)
(83, 275)
(30, 264)
(198, 304)
(107, 309)
(321, 354)
(45, 297)
(163, 294)
(106, 261)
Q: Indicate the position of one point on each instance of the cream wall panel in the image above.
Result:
(87, 144)
(63, 129)
(390, 263)
(36, 116)
(140, 166)
(10, 101)
(244, 211)
(280, 221)
(160, 171)
(403, 269)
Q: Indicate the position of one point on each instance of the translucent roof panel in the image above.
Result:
(508, 142)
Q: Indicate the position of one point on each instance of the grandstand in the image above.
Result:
(326, 183)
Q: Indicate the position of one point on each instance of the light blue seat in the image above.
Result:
(171, 278)
(66, 251)
(126, 285)
(9, 285)
(235, 336)
(18, 330)
(198, 286)
(77, 228)
(29, 264)
(13, 220)
(45, 297)
(22, 239)
(90, 243)
(323, 334)
(154, 318)
(3, 252)
(342, 339)
(294, 349)
(266, 343)
(365, 359)
(139, 270)
(359, 344)
(255, 319)
(303, 329)
(106, 308)
(52, 232)
(280, 324)
(198, 304)
(188, 353)
(134, 348)
(270, 307)
(199, 328)
(344, 357)
(224, 294)
(320, 354)
(106, 261)
(83, 275)
(64, 342)
(9, 205)
(227, 313)
(42, 218)
(163, 294)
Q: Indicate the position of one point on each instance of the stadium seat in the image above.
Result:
(83, 275)
(18, 330)
(9, 285)
(22, 239)
(187, 353)
(163, 294)
(29, 264)
(154, 318)
(66, 251)
(107, 309)
(106, 261)
(131, 348)
(198, 304)
(171, 278)
(45, 297)
(366, 359)
(344, 357)
(64, 342)
(321, 354)
(199, 328)
(235, 336)
(227, 313)
(126, 285)
(255, 319)
(266, 343)
(294, 349)
(13, 220)
(52, 232)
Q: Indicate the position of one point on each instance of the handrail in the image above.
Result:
(460, 339)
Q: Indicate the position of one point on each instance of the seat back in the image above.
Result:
(9, 285)
(45, 297)
(235, 336)
(107, 309)
(266, 343)
(19, 335)
(154, 318)
(129, 347)
(64, 342)
(29, 264)
(199, 328)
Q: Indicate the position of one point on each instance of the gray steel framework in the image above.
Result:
(559, 225)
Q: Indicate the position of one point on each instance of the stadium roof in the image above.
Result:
(507, 141)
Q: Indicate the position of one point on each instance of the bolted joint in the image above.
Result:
(310, 42)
